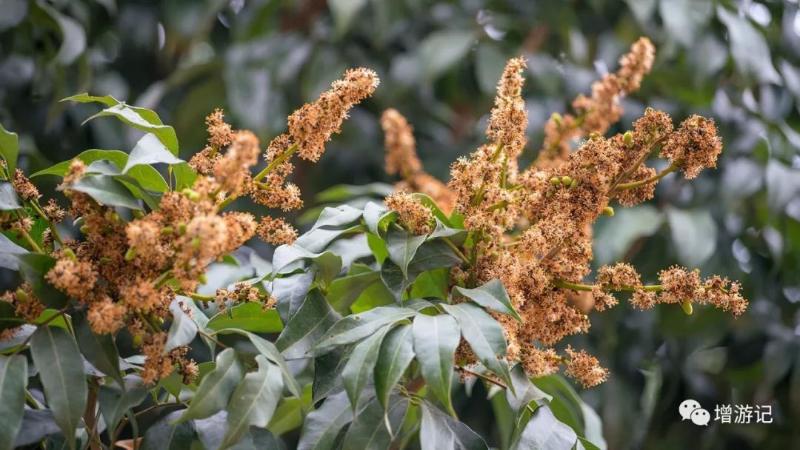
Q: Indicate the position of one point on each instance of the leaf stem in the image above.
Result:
(563, 284)
(658, 176)
(455, 249)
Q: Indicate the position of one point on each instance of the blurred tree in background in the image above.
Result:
(736, 61)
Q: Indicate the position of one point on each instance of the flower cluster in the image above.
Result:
(127, 273)
(532, 228)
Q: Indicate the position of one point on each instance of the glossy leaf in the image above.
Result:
(169, 434)
(63, 379)
(183, 328)
(441, 50)
(358, 326)
(99, 349)
(249, 317)
(8, 197)
(216, 388)
(484, 335)
(694, 235)
(144, 120)
(435, 342)
(115, 401)
(323, 425)
(269, 351)
(254, 400)
(524, 391)
(545, 432)
(33, 267)
(150, 150)
(397, 352)
(402, 247)
(438, 431)
(358, 370)
(343, 291)
(305, 328)
(9, 148)
(491, 295)
(8, 253)
(369, 429)
(106, 191)
(13, 382)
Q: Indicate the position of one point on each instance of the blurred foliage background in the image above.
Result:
(736, 61)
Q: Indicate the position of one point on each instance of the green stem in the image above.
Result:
(656, 177)
(563, 284)
(455, 249)
(280, 159)
(53, 230)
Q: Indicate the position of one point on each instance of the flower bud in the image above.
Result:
(627, 139)
(555, 181)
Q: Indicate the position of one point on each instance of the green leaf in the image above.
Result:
(115, 402)
(694, 235)
(150, 150)
(9, 148)
(56, 354)
(142, 119)
(438, 431)
(291, 291)
(290, 413)
(9, 253)
(169, 434)
(119, 158)
(183, 328)
(435, 342)
(343, 192)
(566, 403)
(8, 197)
(378, 217)
(544, 431)
(73, 38)
(84, 97)
(215, 390)
(749, 47)
(361, 363)
(310, 322)
(106, 191)
(614, 235)
(344, 11)
(268, 349)
(99, 350)
(358, 326)
(33, 267)
(524, 391)
(328, 266)
(247, 316)
(184, 175)
(328, 372)
(254, 401)
(489, 63)
(441, 50)
(369, 429)
(491, 295)
(484, 335)
(342, 292)
(323, 425)
(397, 352)
(402, 248)
(13, 382)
